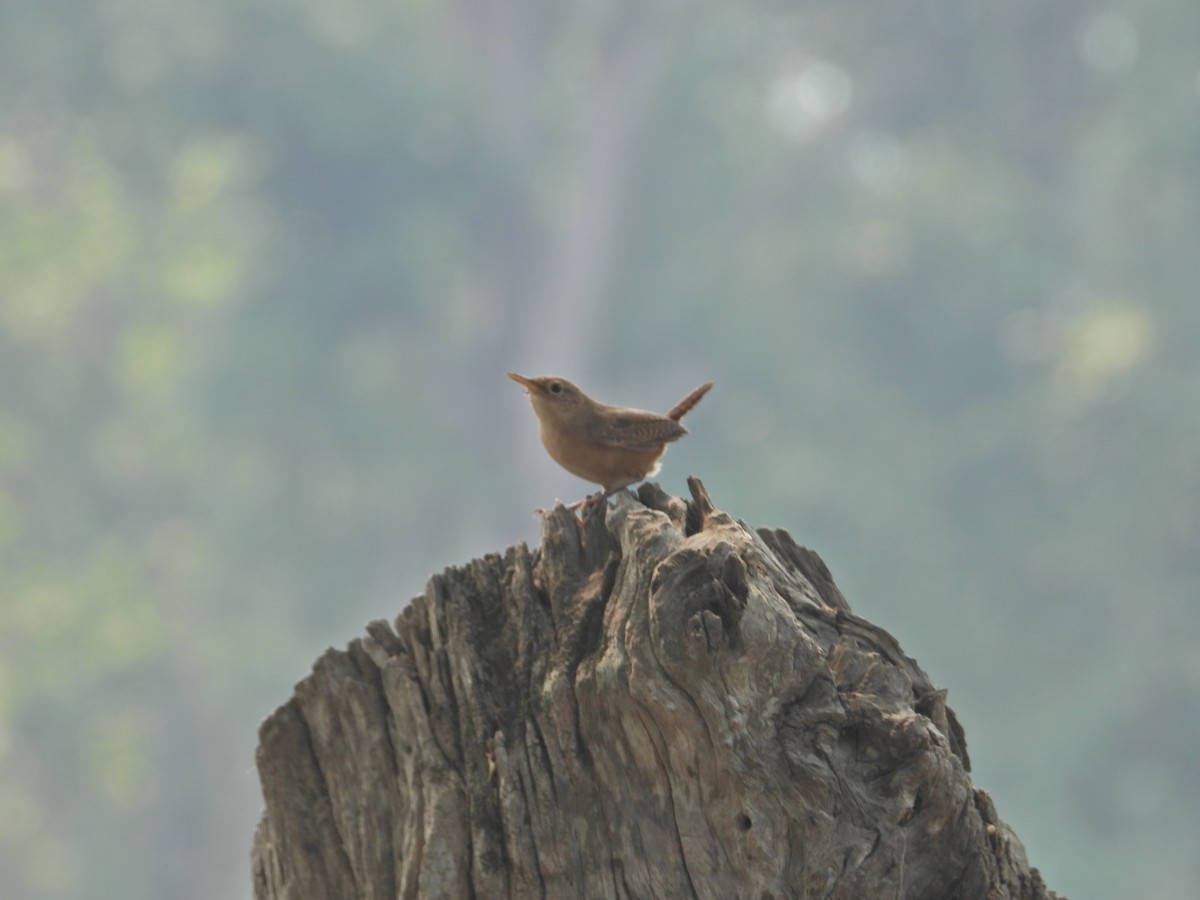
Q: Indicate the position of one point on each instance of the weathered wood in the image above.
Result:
(664, 704)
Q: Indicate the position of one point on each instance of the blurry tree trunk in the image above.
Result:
(664, 704)
(567, 128)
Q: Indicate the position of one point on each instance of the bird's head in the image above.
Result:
(551, 396)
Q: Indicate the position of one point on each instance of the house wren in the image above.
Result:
(611, 446)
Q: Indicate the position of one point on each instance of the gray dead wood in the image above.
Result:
(664, 704)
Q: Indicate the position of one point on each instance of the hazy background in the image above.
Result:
(264, 264)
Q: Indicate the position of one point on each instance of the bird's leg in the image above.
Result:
(584, 504)
(587, 504)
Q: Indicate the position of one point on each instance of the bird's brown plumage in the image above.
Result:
(612, 446)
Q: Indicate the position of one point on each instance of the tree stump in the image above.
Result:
(662, 703)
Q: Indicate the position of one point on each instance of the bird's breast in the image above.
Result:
(600, 464)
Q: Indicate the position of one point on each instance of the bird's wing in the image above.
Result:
(634, 429)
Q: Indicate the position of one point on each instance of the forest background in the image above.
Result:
(264, 264)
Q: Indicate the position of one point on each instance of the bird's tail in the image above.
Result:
(684, 406)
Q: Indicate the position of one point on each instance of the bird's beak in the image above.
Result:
(523, 381)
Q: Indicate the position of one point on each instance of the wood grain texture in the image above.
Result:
(665, 703)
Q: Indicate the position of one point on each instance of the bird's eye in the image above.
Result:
(556, 387)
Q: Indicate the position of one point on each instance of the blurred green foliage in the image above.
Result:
(264, 264)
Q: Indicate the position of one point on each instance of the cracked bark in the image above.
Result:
(664, 703)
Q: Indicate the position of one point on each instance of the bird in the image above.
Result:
(612, 446)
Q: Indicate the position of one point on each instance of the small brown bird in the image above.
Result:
(611, 446)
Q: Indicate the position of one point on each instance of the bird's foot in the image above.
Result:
(586, 504)
(591, 503)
